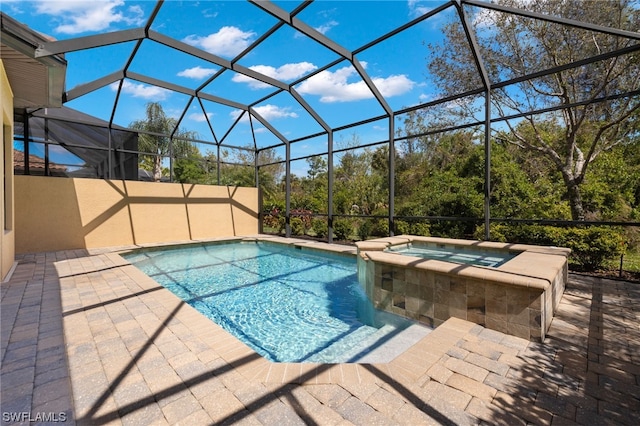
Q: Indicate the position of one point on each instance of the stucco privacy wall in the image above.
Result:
(61, 213)
(7, 250)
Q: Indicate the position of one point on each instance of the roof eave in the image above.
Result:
(36, 82)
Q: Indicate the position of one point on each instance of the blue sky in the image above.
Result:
(398, 66)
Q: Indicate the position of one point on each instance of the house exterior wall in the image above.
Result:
(61, 213)
(7, 237)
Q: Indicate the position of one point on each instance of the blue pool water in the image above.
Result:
(288, 305)
(463, 255)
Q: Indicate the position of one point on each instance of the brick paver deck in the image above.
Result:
(88, 339)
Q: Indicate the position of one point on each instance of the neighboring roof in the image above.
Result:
(35, 163)
(35, 82)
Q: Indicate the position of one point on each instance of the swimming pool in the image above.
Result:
(286, 304)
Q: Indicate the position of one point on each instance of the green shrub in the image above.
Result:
(319, 227)
(412, 228)
(591, 247)
(342, 229)
(373, 227)
(380, 228)
(420, 228)
(498, 232)
(402, 227)
(271, 221)
(297, 226)
(276, 223)
(451, 229)
(364, 230)
(304, 215)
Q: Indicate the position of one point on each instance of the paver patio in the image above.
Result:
(88, 339)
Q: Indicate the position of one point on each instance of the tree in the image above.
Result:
(442, 176)
(317, 167)
(157, 139)
(189, 170)
(524, 188)
(512, 46)
(358, 187)
(315, 186)
(237, 167)
(270, 171)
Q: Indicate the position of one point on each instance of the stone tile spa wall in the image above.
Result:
(518, 297)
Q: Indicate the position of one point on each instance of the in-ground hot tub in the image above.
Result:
(511, 288)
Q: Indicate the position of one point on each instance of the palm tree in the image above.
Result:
(157, 141)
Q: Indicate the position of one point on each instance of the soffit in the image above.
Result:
(34, 82)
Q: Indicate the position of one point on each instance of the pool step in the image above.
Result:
(386, 344)
(340, 351)
(397, 343)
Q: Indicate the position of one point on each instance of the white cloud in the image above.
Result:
(197, 73)
(326, 13)
(417, 9)
(136, 16)
(268, 112)
(84, 16)
(13, 7)
(286, 72)
(207, 13)
(326, 27)
(252, 82)
(393, 85)
(228, 41)
(139, 90)
(200, 117)
(334, 86)
(322, 29)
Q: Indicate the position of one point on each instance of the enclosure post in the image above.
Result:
(392, 175)
(109, 164)
(287, 189)
(46, 147)
(218, 162)
(170, 159)
(27, 136)
(486, 82)
(46, 159)
(255, 168)
(487, 165)
(260, 210)
(330, 187)
(255, 171)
